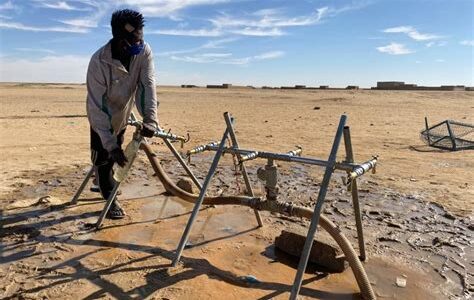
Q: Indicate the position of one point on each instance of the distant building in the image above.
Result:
(352, 87)
(389, 85)
(400, 85)
(219, 86)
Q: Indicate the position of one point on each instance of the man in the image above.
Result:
(119, 73)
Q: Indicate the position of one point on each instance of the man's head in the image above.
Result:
(127, 30)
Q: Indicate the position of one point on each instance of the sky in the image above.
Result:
(245, 42)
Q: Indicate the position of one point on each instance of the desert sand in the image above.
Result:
(39, 130)
(45, 152)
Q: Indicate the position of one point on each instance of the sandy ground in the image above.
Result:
(38, 131)
(45, 149)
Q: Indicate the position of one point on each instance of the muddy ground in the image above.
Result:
(417, 210)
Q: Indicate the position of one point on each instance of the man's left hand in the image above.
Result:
(148, 130)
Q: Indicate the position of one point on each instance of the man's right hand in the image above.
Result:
(118, 156)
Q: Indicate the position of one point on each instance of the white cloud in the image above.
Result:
(85, 22)
(67, 69)
(195, 59)
(249, 59)
(268, 11)
(436, 44)
(412, 33)
(20, 26)
(248, 31)
(77, 25)
(165, 8)
(216, 54)
(7, 5)
(213, 44)
(394, 49)
(269, 55)
(216, 32)
(35, 50)
(188, 32)
(91, 20)
(61, 5)
(265, 22)
(439, 60)
(218, 43)
(226, 58)
(202, 58)
(268, 19)
(467, 43)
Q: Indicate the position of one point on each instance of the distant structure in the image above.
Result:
(449, 135)
(352, 87)
(381, 85)
(219, 86)
(303, 87)
(400, 85)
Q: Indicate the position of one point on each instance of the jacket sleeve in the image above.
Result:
(98, 111)
(146, 99)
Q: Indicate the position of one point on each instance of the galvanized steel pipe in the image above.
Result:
(278, 156)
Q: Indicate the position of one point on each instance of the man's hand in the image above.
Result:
(118, 156)
(148, 130)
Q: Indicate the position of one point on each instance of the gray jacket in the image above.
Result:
(111, 91)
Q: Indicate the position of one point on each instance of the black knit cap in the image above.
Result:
(125, 21)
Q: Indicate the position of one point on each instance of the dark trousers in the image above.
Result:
(103, 163)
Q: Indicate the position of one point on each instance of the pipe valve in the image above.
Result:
(362, 169)
(296, 152)
(269, 174)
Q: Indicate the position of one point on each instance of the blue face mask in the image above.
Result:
(135, 49)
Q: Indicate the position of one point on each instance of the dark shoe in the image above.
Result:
(95, 188)
(115, 212)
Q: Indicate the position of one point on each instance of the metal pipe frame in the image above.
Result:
(343, 166)
(427, 129)
(451, 135)
(166, 138)
(331, 165)
(202, 194)
(159, 133)
(317, 210)
(183, 163)
(254, 155)
(249, 191)
(115, 190)
(82, 186)
(355, 194)
(107, 206)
